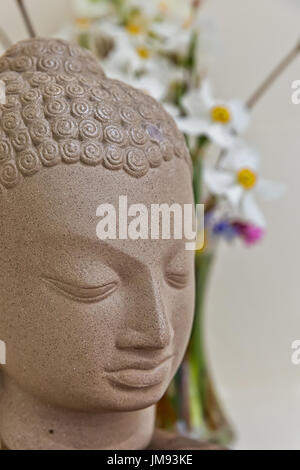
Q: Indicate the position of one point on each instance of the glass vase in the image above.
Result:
(191, 403)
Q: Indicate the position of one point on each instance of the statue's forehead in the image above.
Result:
(57, 229)
(68, 191)
(62, 205)
(89, 253)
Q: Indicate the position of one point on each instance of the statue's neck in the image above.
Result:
(27, 423)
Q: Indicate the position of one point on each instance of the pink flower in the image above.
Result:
(251, 234)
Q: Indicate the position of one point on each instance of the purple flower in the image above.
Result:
(225, 229)
(250, 233)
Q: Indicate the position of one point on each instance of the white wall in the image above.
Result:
(253, 304)
(47, 16)
(253, 310)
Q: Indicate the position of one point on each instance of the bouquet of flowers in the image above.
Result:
(161, 48)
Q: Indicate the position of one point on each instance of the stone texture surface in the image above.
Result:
(95, 329)
(61, 108)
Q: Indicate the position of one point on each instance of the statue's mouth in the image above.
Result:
(141, 374)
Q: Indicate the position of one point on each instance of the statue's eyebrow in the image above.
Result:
(104, 250)
(118, 258)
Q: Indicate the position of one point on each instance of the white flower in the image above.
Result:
(137, 63)
(151, 8)
(174, 36)
(176, 8)
(150, 85)
(91, 9)
(159, 78)
(172, 109)
(131, 53)
(2, 93)
(219, 120)
(146, 83)
(238, 181)
(148, 8)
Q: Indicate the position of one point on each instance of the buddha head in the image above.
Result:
(89, 325)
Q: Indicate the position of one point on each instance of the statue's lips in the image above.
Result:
(141, 375)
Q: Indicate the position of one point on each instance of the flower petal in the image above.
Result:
(165, 29)
(221, 135)
(163, 71)
(206, 94)
(149, 9)
(241, 156)
(193, 104)
(177, 40)
(240, 116)
(251, 212)
(193, 126)
(235, 194)
(218, 181)
(150, 85)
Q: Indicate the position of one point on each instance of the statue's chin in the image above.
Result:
(103, 397)
(138, 400)
(133, 399)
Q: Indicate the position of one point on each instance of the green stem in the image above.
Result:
(197, 179)
(196, 352)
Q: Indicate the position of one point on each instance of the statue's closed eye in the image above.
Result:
(177, 280)
(83, 294)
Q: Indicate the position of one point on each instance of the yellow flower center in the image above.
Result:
(83, 23)
(221, 114)
(188, 23)
(247, 178)
(134, 29)
(143, 52)
(163, 7)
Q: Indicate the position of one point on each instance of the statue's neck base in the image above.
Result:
(29, 424)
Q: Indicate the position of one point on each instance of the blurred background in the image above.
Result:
(252, 314)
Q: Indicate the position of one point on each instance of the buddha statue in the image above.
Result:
(94, 329)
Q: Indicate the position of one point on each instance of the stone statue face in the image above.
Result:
(93, 324)
(89, 324)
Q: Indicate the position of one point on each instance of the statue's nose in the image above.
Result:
(147, 324)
